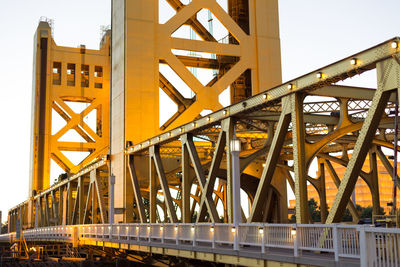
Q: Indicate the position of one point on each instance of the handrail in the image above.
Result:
(341, 241)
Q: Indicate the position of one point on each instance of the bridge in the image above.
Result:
(176, 188)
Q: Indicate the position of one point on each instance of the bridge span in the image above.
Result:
(175, 188)
(245, 244)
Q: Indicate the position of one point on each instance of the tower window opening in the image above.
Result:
(98, 77)
(84, 75)
(70, 74)
(57, 73)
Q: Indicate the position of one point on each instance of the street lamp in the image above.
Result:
(237, 215)
(235, 151)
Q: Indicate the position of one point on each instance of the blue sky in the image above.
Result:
(314, 33)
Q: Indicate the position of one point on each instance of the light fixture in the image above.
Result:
(233, 230)
(395, 44)
(353, 61)
(194, 124)
(290, 86)
(148, 227)
(182, 129)
(293, 231)
(208, 118)
(137, 227)
(212, 229)
(169, 134)
(261, 231)
(319, 75)
(225, 112)
(264, 165)
(265, 96)
(192, 228)
(176, 228)
(235, 145)
(127, 228)
(161, 227)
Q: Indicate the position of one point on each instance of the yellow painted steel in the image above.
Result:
(141, 43)
(190, 149)
(63, 77)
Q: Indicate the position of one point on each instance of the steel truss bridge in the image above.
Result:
(177, 193)
(274, 128)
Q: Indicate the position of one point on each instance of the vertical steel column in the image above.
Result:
(235, 152)
(396, 132)
(153, 190)
(299, 162)
(227, 127)
(186, 216)
(322, 200)
(111, 200)
(374, 183)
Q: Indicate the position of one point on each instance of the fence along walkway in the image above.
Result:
(360, 245)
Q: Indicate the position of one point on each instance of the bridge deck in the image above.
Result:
(246, 244)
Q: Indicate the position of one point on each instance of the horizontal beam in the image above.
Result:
(274, 116)
(205, 63)
(340, 91)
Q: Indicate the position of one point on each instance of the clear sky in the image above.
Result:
(314, 33)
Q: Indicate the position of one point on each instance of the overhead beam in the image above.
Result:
(341, 91)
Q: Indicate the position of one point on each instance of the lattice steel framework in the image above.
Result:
(71, 84)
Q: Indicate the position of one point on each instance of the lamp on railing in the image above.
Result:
(235, 147)
(293, 232)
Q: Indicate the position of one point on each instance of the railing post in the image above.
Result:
(363, 246)
(296, 241)
(194, 234)
(213, 235)
(263, 239)
(149, 232)
(236, 237)
(162, 233)
(177, 234)
(335, 242)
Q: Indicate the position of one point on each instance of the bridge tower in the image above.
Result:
(69, 86)
(247, 61)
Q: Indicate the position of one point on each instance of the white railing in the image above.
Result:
(373, 246)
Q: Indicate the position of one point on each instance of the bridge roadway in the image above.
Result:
(246, 244)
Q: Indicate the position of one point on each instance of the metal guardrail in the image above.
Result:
(372, 246)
